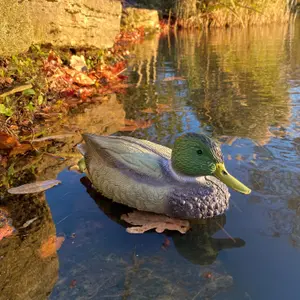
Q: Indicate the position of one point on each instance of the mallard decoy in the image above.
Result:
(188, 182)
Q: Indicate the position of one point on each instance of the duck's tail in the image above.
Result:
(81, 148)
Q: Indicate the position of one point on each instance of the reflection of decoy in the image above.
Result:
(186, 182)
(198, 245)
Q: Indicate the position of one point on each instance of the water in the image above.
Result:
(241, 87)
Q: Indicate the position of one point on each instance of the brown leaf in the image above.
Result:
(132, 125)
(166, 244)
(239, 157)
(35, 187)
(7, 141)
(73, 283)
(21, 149)
(147, 221)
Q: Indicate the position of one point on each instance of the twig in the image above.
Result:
(16, 89)
(120, 72)
(226, 232)
(63, 219)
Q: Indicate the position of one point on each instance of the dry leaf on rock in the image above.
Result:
(78, 62)
(147, 221)
(35, 187)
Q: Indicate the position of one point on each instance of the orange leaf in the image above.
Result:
(21, 149)
(5, 231)
(7, 141)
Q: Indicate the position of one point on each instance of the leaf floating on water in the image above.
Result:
(173, 78)
(35, 187)
(147, 221)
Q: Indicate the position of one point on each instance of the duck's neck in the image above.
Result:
(181, 177)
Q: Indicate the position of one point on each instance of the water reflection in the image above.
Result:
(25, 271)
(197, 245)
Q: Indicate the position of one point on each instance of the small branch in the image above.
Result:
(223, 229)
(16, 89)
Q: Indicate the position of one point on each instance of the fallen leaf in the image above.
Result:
(78, 62)
(73, 283)
(239, 157)
(83, 79)
(6, 228)
(3, 161)
(7, 141)
(166, 244)
(172, 78)
(147, 221)
(21, 149)
(29, 222)
(59, 241)
(6, 231)
(208, 275)
(35, 187)
(50, 246)
(132, 125)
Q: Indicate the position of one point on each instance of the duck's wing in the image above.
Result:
(129, 154)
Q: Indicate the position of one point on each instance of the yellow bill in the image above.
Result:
(222, 174)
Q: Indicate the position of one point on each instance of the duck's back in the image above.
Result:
(129, 170)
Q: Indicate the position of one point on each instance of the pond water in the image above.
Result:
(241, 87)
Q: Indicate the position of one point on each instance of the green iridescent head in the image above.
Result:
(197, 155)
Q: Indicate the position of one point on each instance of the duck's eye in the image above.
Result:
(224, 172)
(199, 152)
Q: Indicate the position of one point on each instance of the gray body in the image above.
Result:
(138, 173)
